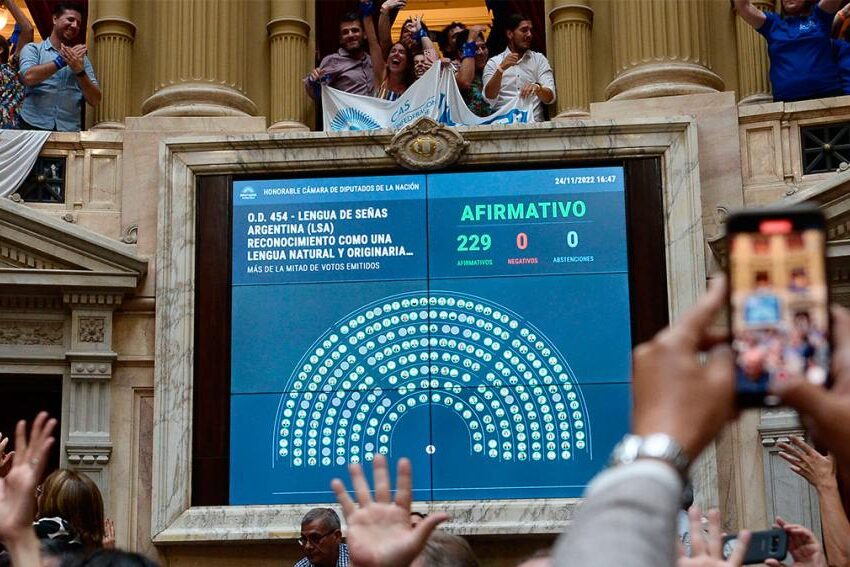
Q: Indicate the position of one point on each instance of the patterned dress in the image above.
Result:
(474, 97)
(11, 95)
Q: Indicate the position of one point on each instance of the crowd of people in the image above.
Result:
(385, 69)
(683, 384)
(43, 85)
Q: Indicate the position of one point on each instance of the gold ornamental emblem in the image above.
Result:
(425, 146)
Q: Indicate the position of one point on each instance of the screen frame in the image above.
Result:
(211, 451)
(183, 159)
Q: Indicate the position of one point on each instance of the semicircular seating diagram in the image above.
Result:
(509, 384)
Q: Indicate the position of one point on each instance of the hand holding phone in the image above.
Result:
(764, 545)
(778, 297)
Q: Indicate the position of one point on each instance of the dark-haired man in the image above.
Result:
(350, 68)
(321, 540)
(519, 71)
(58, 76)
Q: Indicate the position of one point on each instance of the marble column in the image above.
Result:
(661, 48)
(289, 33)
(572, 22)
(114, 35)
(201, 59)
(753, 79)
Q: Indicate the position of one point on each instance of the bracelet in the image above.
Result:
(422, 33)
(468, 50)
(82, 73)
(59, 62)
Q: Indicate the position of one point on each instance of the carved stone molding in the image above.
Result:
(100, 299)
(31, 302)
(82, 455)
(426, 145)
(131, 235)
(19, 258)
(91, 368)
(37, 333)
(778, 425)
(91, 329)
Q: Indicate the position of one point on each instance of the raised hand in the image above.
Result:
(379, 532)
(5, 458)
(393, 4)
(709, 552)
(818, 469)
(17, 488)
(509, 61)
(108, 534)
(475, 31)
(695, 406)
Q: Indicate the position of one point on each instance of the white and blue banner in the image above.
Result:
(435, 95)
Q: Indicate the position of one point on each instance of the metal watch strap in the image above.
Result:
(657, 446)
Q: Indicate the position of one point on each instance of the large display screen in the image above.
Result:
(476, 323)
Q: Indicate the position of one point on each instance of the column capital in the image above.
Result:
(114, 26)
(578, 13)
(288, 26)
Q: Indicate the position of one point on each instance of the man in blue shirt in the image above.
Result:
(58, 75)
(802, 65)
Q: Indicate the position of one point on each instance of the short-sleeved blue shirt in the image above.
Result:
(842, 59)
(801, 60)
(53, 104)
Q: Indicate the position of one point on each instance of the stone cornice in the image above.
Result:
(72, 245)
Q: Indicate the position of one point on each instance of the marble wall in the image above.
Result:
(137, 186)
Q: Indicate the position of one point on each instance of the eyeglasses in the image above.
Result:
(313, 539)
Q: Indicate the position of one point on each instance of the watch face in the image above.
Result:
(729, 547)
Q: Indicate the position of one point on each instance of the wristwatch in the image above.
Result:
(658, 446)
(81, 73)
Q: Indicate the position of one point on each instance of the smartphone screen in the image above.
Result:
(779, 302)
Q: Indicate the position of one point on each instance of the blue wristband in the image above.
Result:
(59, 62)
(422, 33)
(468, 50)
(366, 8)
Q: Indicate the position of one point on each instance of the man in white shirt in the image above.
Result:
(519, 70)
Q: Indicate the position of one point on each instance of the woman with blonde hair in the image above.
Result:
(75, 498)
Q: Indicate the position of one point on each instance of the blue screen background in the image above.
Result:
(501, 373)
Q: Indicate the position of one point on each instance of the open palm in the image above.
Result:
(379, 531)
(17, 488)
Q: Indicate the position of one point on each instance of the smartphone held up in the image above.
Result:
(778, 300)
